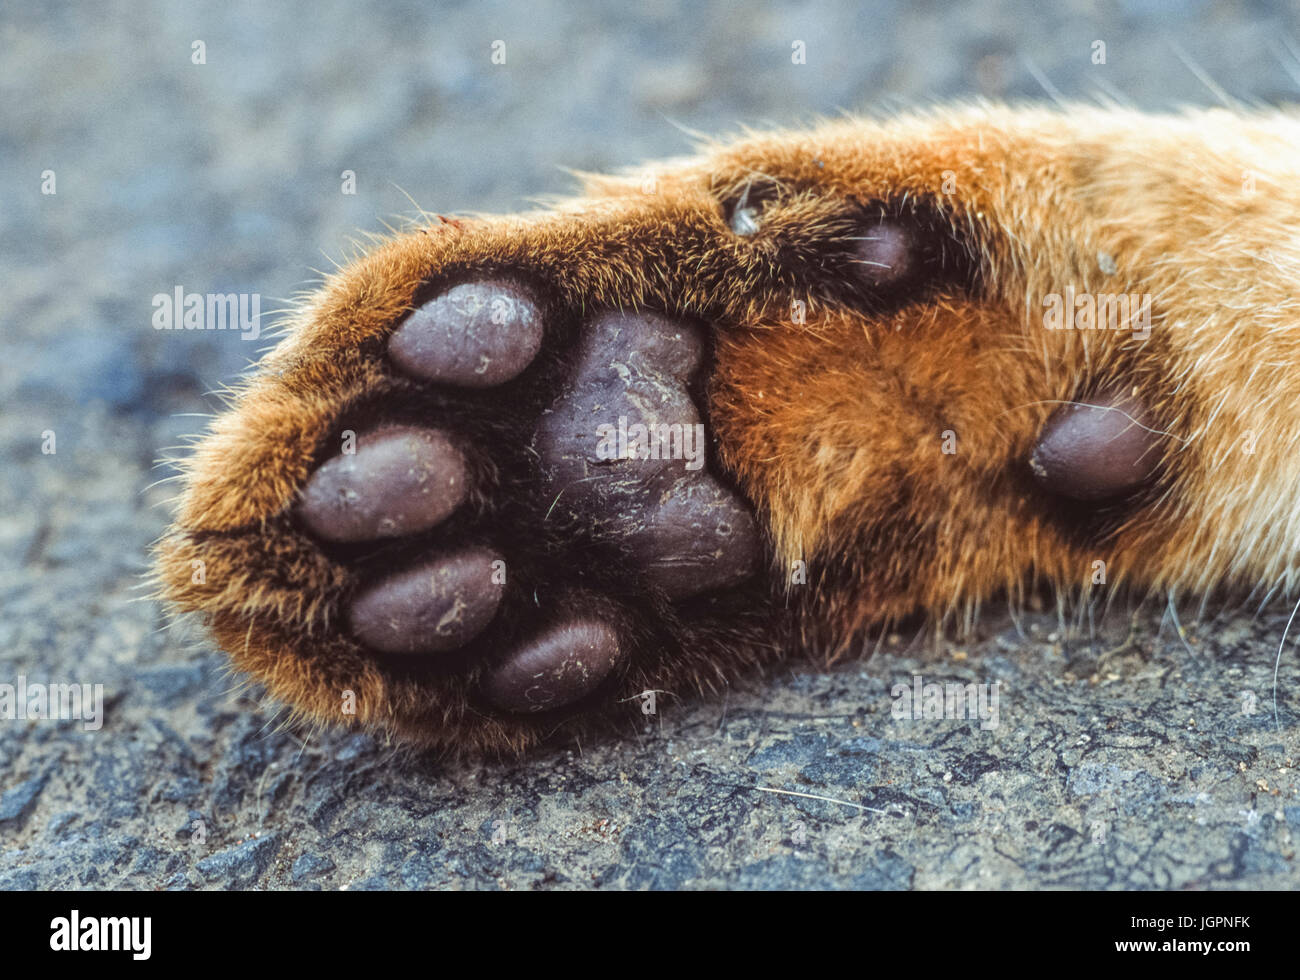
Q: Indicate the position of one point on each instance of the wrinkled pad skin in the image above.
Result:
(624, 446)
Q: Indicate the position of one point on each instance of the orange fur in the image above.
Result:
(832, 423)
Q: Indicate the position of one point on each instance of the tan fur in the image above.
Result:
(833, 426)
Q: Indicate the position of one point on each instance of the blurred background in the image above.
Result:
(226, 175)
(203, 146)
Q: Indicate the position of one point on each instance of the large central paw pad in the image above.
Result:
(620, 464)
(623, 449)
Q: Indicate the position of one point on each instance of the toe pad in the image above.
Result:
(559, 666)
(439, 604)
(1097, 451)
(474, 335)
(400, 480)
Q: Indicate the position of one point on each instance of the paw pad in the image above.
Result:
(556, 668)
(1097, 450)
(440, 603)
(475, 335)
(400, 480)
(621, 452)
